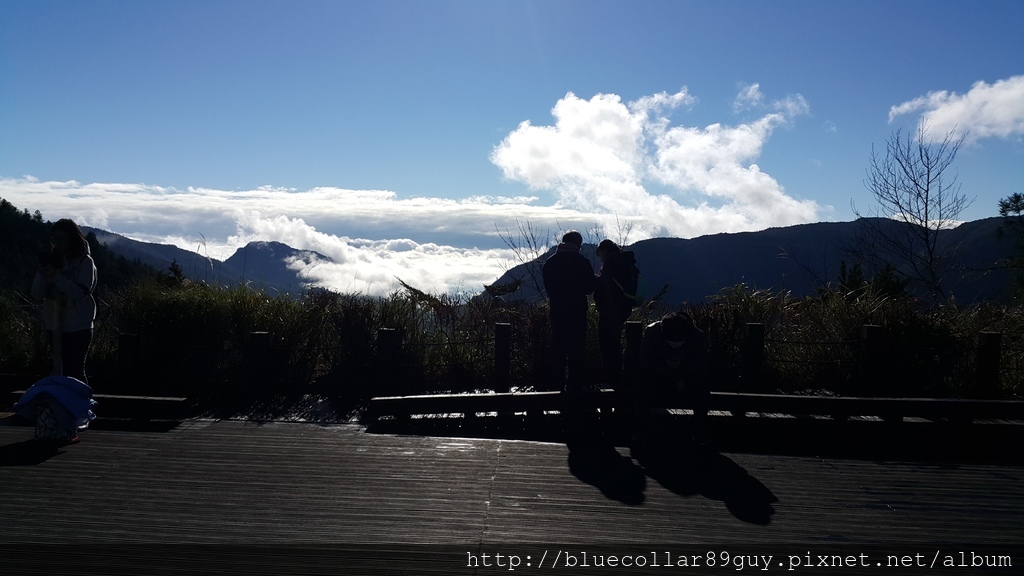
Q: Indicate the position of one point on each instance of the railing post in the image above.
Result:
(129, 351)
(625, 403)
(631, 358)
(752, 364)
(388, 346)
(872, 361)
(502, 356)
(986, 369)
(257, 359)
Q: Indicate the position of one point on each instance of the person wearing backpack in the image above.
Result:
(617, 274)
(568, 280)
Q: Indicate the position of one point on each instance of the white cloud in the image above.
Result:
(986, 111)
(430, 267)
(792, 106)
(749, 97)
(602, 156)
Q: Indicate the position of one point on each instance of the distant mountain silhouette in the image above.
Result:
(259, 264)
(797, 259)
(160, 256)
(270, 265)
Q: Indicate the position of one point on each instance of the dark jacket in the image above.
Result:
(688, 362)
(568, 279)
(608, 294)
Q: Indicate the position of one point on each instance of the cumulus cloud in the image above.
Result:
(986, 111)
(605, 156)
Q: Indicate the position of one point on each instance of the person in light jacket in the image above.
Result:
(65, 283)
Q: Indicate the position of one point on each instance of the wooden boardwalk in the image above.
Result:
(234, 497)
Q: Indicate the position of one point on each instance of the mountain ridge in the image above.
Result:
(798, 259)
(262, 263)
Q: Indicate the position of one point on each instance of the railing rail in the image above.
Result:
(868, 361)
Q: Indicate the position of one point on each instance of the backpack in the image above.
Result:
(630, 282)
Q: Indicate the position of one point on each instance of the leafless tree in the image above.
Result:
(917, 197)
(623, 229)
(527, 247)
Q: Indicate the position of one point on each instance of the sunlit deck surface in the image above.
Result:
(329, 499)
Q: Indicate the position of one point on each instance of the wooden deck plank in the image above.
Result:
(294, 484)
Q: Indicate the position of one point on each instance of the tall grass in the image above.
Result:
(815, 343)
(21, 347)
(159, 337)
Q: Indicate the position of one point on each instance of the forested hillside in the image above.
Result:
(23, 235)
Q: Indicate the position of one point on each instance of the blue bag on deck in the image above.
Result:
(59, 405)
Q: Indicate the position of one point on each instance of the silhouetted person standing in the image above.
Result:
(674, 366)
(568, 279)
(65, 285)
(613, 307)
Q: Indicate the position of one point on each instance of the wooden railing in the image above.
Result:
(133, 408)
(260, 358)
(502, 401)
(752, 360)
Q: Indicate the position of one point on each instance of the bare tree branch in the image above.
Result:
(527, 246)
(918, 197)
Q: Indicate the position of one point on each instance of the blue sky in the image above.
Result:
(399, 137)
